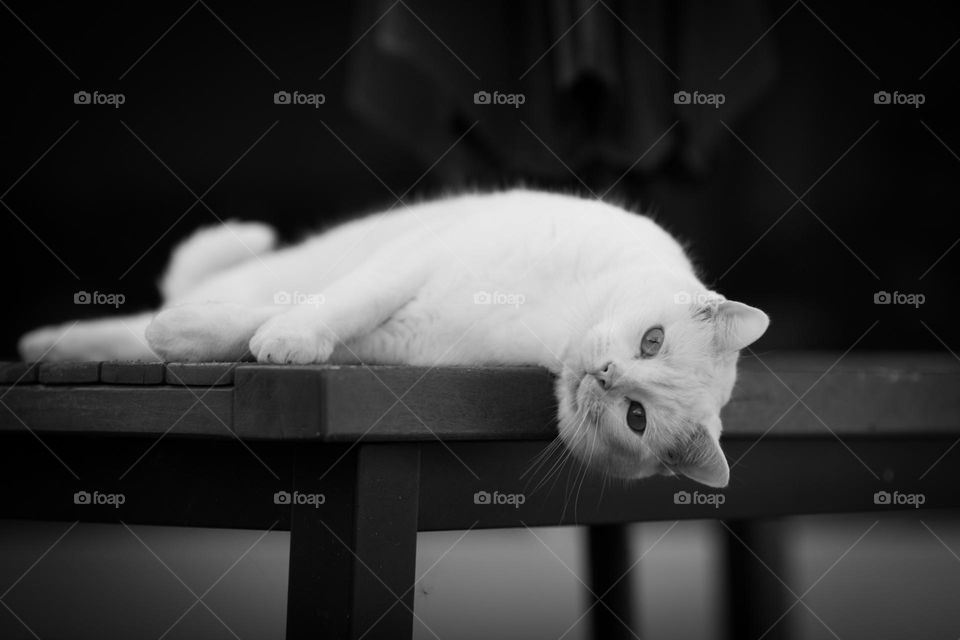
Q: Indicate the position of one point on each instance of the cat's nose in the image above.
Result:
(605, 375)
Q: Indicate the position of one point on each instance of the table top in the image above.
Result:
(789, 395)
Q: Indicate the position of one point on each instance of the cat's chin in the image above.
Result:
(584, 407)
(586, 395)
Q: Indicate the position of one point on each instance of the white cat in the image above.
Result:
(645, 355)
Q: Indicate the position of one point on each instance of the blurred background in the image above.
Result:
(804, 150)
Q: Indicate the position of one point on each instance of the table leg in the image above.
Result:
(755, 562)
(385, 540)
(609, 557)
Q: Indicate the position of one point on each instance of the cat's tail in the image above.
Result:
(213, 249)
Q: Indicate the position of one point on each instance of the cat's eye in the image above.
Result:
(637, 417)
(651, 342)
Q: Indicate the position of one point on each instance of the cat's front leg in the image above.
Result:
(351, 307)
(301, 335)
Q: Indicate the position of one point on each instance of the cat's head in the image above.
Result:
(641, 390)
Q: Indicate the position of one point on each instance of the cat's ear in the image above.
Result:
(705, 463)
(738, 325)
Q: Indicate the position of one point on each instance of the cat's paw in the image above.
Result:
(198, 333)
(290, 339)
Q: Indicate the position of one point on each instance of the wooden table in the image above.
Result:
(354, 461)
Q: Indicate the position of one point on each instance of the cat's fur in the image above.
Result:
(517, 277)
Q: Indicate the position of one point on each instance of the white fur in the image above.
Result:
(574, 284)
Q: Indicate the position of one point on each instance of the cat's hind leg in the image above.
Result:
(206, 332)
(114, 338)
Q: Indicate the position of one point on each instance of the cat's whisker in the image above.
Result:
(580, 470)
(593, 449)
(537, 459)
(586, 465)
(603, 486)
(553, 472)
(540, 459)
(567, 451)
(584, 432)
(562, 452)
(558, 467)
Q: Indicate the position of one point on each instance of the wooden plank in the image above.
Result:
(137, 373)
(128, 410)
(774, 477)
(200, 374)
(194, 476)
(875, 362)
(860, 396)
(455, 403)
(261, 390)
(345, 403)
(172, 481)
(69, 373)
(18, 372)
(911, 395)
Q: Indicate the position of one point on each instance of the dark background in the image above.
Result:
(199, 99)
(85, 202)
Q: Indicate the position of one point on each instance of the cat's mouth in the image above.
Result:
(585, 393)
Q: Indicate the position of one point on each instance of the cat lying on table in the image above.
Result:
(645, 355)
